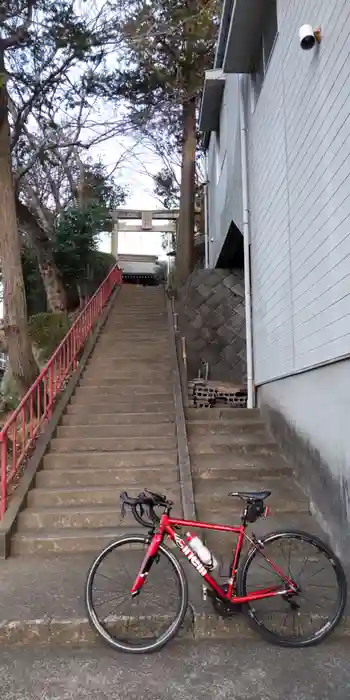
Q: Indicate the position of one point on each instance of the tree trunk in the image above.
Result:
(185, 236)
(55, 292)
(21, 357)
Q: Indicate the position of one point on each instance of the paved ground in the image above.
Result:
(180, 672)
(42, 602)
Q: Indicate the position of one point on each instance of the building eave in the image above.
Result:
(243, 35)
(209, 118)
(223, 30)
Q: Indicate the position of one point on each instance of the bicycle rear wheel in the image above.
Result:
(143, 623)
(311, 614)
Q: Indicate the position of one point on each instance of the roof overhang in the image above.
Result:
(243, 34)
(223, 29)
(213, 89)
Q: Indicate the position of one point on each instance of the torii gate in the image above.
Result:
(146, 217)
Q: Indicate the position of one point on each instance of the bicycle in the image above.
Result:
(231, 597)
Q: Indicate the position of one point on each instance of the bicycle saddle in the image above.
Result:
(251, 495)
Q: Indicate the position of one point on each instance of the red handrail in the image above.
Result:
(20, 430)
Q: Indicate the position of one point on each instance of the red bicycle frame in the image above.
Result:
(166, 528)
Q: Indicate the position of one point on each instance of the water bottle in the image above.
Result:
(202, 552)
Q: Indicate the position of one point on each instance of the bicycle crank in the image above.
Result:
(223, 607)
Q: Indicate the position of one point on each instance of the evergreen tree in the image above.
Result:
(168, 46)
(47, 50)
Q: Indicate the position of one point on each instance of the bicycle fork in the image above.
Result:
(149, 559)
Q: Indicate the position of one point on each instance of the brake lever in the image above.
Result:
(122, 512)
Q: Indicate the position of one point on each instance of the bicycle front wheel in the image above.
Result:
(300, 619)
(143, 623)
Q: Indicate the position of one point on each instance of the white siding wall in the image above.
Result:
(299, 164)
(224, 160)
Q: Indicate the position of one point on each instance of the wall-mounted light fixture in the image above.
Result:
(308, 37)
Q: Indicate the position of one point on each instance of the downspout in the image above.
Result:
(246, 245)
(206, 212)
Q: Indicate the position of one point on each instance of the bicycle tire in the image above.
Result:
(248, 608)
(182, 607)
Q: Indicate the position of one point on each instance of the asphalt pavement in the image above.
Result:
(182, 671)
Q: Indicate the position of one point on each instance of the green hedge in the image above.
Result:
(47, 330)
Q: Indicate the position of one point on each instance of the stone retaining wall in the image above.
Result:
(212, 318)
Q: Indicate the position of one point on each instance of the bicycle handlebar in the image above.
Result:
(147, 500)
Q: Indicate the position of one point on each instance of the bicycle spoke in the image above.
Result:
(301, 615)
(142, 621)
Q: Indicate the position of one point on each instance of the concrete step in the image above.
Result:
(235, 444)
(276, 521)
(109, 460)
(137, 307)
(156, 343)
(128, 317)
(118, 419)
(135, 350)
(131, 316)
(135, 342)
(92, 539)
(87, 517)
(129, 364)
(140, 341)
(67, 542)
(234, 461)
(259, 437)
(226, 514)
(285, 494)
(121, 358)
(198, 428)
(106, 377)
(123, 329)
(223, 544)
(121, 324)
(108, 431)
(138, 322)
(163, 476)
(123, 340)
(134, 322)
(121, 408)
(118, 399)
(116, 444)
(124, 389)
(91, 496)
(130, 369)
(240, 414)
(241, 471)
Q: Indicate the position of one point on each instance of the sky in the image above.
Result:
(138, 165)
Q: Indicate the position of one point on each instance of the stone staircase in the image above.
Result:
(231, 450)
(118, 434)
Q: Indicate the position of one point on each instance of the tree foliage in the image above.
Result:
(48, 53)
(169, 45)
(76, 237)
(166, 188)
(51, 51)
(77, 229)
